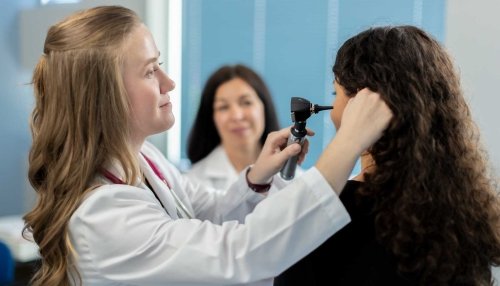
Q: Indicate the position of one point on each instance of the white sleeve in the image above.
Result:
(125, 236)
(207, 203)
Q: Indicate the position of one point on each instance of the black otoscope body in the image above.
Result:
(301, 109)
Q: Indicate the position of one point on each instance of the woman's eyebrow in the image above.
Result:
(152, 60)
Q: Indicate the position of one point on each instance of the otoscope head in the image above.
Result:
(302, 109)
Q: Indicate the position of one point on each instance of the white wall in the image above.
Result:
(473, 39)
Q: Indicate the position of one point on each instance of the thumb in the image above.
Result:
(269, 164)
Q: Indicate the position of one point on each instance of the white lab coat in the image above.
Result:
(122, 236)
(216, 171)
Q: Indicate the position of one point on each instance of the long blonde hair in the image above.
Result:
(80, 121)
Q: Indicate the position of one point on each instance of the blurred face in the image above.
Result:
(339, 104)
(147, 86)
(238, 114)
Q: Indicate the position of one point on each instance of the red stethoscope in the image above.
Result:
(181, 208)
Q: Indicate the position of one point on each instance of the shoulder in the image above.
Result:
(215, 160)
(350, 188)
(113, 207)
(218, 153)
(110, 197)
(358, 206)
(215, 170)
(110, 224)
(198, 167)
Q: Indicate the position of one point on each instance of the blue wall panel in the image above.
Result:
(227, 34)
(296, 42)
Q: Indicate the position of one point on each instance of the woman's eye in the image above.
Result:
(221, 108)
(155, 68)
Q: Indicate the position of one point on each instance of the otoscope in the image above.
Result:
(301, 109)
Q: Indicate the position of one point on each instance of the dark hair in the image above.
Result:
(437, 204)
(204, 129)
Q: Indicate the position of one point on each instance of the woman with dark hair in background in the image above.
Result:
(235, 114)
(425, 208)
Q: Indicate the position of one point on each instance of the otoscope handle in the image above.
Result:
(288, 170)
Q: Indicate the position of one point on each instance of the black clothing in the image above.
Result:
(352, 256)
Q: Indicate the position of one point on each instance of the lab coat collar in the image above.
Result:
(219, 164)
(116, 169)
(160, 188)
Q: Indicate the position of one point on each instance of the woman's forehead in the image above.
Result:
(139, 48)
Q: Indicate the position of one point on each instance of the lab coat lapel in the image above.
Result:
(160, 189)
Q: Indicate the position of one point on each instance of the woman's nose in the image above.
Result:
(166, 83)
(236, 112)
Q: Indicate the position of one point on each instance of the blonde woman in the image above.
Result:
(112, 210)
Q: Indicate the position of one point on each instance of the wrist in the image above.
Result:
(258, 188)
(347, 143)
(343, 156)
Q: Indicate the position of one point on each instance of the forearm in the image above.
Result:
(337, 161)
(364, 119)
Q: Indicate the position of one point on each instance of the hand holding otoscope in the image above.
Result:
(301, 109)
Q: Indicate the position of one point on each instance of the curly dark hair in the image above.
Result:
(437, 199)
